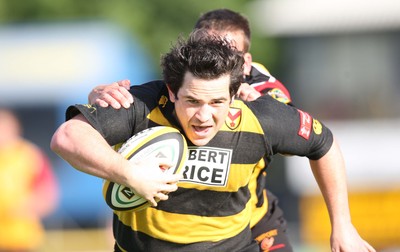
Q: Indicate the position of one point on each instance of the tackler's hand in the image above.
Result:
(247, 92)
(115, 94)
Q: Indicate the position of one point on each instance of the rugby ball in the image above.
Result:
(159, 141)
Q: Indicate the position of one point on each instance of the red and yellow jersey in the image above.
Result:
(266, 84)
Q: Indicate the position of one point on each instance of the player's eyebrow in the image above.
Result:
(222, 98)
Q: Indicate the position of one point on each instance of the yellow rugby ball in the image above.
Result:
(159, 141)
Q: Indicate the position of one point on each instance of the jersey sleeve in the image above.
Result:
(290, 131)
(113, 124)
(117, 125)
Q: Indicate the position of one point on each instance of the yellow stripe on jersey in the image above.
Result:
(177, 228)
(257, 212)
(156, 116)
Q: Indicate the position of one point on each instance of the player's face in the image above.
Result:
(202, 106)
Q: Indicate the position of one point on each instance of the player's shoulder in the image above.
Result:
(262, 80)
(149, 91)
(151, 85)
(258, 107)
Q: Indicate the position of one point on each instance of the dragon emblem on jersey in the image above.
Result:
(234, 117)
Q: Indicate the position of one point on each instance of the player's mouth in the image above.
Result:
(202, 131)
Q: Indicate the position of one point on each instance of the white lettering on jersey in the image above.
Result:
(207, 166)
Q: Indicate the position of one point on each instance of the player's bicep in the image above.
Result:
(291, 131)
(303, 135)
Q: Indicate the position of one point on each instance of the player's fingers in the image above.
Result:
(118, 95)
(101, 103)
(247, 92)
(173, 179)
(250, 94)
(253, 96)
(128, 98)
(125, 84)
(240, 91)
(110, 100)
(170, 187)
(246, 96)
(243, 94)
(153, 202)
(161, 196)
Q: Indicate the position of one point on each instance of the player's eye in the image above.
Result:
(191, 101)
(217, 102)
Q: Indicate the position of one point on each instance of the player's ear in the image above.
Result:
(171, 94)
(248, 59)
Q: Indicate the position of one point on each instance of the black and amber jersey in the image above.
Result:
(211, 210)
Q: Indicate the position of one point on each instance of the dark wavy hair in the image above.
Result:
(205, 56)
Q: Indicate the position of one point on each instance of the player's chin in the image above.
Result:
(201, 141)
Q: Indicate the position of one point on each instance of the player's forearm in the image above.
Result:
(85, 149)
(330, 174)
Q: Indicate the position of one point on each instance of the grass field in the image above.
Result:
(100, 240)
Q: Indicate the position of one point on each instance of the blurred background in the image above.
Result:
(339, 59)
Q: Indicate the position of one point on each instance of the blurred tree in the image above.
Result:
(156, 24)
